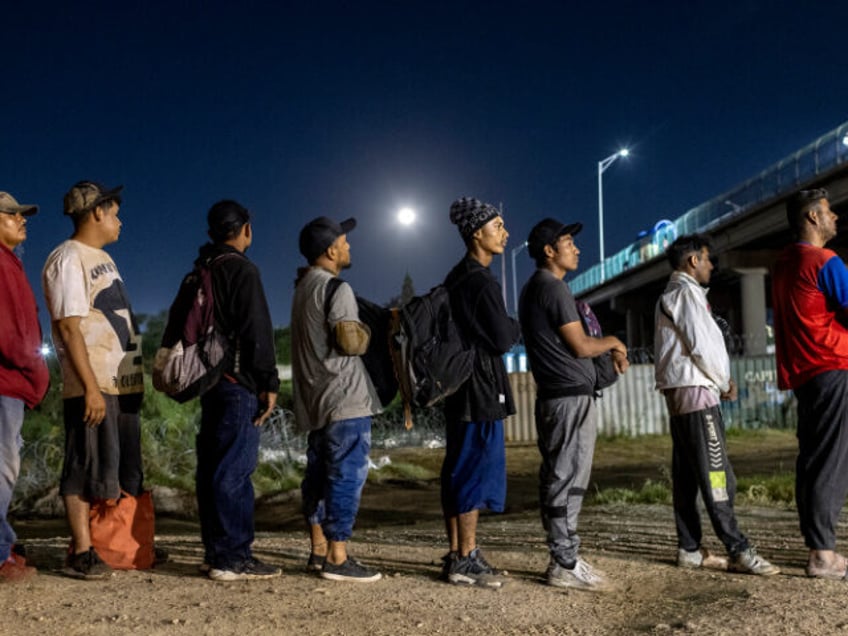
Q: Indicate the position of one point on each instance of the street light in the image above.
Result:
(603, 164)
(516, 250)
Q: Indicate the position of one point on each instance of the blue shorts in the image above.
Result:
(474, 470)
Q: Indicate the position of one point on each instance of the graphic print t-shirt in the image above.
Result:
(83, 281)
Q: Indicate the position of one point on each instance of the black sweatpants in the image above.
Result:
(821, 472)
(699, 463)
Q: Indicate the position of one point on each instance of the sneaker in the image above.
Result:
(749, 562)
(689, 559)
(160, 555)
(492, 569)
(447, 564)
(582, 576)
(315, 562)
(15, 570)
(703, 558)
(251, 569)
(473, 570)
(87, 566)
(350, 570)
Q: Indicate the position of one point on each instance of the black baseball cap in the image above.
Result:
(546, 232)
(317, 235)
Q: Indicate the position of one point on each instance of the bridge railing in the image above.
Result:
(821, 156)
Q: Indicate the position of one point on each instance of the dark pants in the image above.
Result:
(699, 463)
(101, 461)
(336, 470)
(227, 453)
(821, 472)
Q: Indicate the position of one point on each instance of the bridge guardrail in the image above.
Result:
(822, 155)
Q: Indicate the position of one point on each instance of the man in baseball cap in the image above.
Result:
(99, 348)
(8, 205)
(560, 353)
(319, 234)
(23, 372)
(334, 398)
(85, 196)
(548, 232)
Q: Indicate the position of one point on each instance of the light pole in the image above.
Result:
(516, 250)
(603, 164)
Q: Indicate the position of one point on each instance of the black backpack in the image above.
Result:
(194, 353)
(416, 348)
(431, 357)
(378, 358)
(605, 372)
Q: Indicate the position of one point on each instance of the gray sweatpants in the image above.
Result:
(567, 428)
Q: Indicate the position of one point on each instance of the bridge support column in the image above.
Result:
(752, 287)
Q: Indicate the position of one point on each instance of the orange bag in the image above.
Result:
(122, 531)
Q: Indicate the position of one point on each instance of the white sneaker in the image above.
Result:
(582, 576)
(749, 562)
(702, 558)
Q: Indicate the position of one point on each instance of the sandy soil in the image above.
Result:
(400, 532)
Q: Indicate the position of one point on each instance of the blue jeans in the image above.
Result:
(11, 420)
(336, 470)
(227, 454)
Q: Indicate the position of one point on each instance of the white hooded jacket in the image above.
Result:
(689, 347)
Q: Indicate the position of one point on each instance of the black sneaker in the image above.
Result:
(251, 569)
(87, 566)
(486, 564)
(350, 570)
(447, 564)
(160, 555)
(472, 570)
(315, 562)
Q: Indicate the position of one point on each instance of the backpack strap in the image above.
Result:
(211, 264)
(329, 292)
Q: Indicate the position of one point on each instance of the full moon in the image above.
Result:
(406, 216)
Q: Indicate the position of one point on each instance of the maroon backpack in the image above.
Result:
(194, 353)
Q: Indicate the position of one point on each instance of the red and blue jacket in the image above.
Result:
(810, 300)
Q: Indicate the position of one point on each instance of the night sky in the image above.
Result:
(359, 108)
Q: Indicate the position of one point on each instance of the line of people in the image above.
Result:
(98, 344)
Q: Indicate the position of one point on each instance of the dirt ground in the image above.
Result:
(400, 532)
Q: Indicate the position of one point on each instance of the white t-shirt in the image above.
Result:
(83, 281)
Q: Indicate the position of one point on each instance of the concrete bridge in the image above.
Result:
(748, 227)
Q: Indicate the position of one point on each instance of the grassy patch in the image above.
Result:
(400, 471)
(772, 490)
(651, 492)
(276, 476)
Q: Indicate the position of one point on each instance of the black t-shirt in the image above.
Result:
(546, 304)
